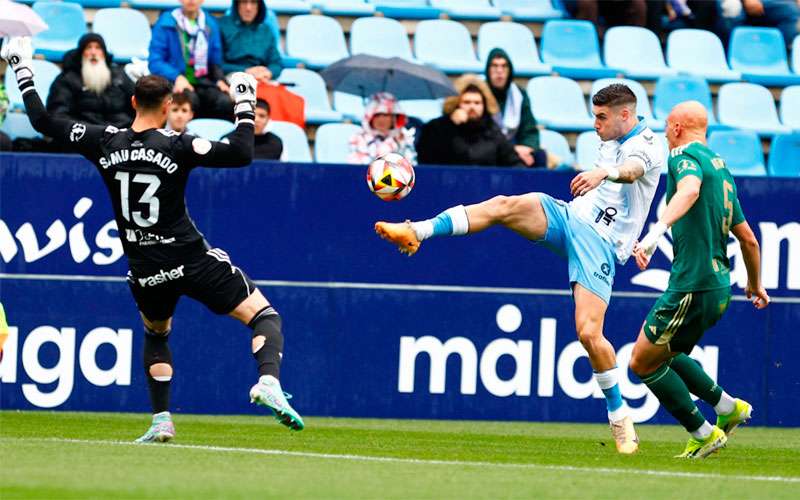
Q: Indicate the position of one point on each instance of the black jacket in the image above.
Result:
(69, 99)
(442, 142)
(267, 146)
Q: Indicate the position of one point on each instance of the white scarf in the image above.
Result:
(512, 112)
(198, 40)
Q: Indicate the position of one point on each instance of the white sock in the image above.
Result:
(703, 431)
(458, 215)
(726, 404)
(619, 413)
(423, 229)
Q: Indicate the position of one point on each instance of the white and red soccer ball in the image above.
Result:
(390, 177)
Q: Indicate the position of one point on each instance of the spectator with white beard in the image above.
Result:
(90, 88)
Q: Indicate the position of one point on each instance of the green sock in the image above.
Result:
(672, 392)
(698, 381)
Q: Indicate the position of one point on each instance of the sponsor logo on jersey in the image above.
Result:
(161, 277)
(606, 215)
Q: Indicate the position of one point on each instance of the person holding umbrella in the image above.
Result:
(382, 132)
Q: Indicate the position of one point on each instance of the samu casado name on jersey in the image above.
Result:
(139, 154)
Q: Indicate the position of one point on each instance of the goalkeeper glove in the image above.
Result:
(18, 52)
(243, 93)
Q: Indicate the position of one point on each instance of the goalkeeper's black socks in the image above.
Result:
(267, 325)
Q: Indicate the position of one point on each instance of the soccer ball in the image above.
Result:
(390, 177)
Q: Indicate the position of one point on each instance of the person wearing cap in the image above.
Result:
(90, 88)
(382, 132)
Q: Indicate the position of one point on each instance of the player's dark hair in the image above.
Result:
(615, 94)
(181, 98)
(474, 89)
(263, 104)
(151, 90)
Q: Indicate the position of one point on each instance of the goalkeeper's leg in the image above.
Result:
(158, 370)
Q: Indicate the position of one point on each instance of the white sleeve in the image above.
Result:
(648, 155)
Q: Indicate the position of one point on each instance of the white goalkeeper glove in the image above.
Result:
(18, 52)
(243, 92)
(650, 241)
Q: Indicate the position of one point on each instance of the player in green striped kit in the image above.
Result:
(702, 209)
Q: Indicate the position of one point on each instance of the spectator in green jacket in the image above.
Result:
(514, 117)
(247, 43)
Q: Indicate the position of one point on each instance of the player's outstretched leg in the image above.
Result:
(731, 412)
(522, 214)
(158, 370)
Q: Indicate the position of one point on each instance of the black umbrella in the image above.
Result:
(364, 75)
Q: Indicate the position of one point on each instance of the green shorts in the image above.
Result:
(679, 319)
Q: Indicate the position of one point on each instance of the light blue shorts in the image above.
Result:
(591, 258)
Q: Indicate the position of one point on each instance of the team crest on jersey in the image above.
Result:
(77, 132)
(201, 146)
(685, 165)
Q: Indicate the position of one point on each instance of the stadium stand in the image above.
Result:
(558, 103)
(406, 9)
(295, 143)
(571, 47)
(311, 87)
(518, 42)
(557, 144)
(671, 90)
(586, 147)
(760, 54)
(642, 100)
(790, 107)
(18, 126)
(331, 142)
(637, 51)
(352, 8)
(699, 52)
(154, 4)
(529, 10)
(66, 25)
(424, 109)
(212, 129)
(289, 6)
(45, 71)
(349, 105)
(447, 45)
(784, 156)
(749, 106)
(380, 36)
(316, 40)
(125, 31)
(478, 10)
(97, 4)
(741, 150)
(796, 55)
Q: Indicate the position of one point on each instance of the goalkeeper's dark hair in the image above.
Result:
(615, 94)
(151, 90)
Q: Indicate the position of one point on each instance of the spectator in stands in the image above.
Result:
(90, 88)
(611, 12)
(5, 141)
(514, 117)
(268, 146)
(247, 43)
(466, 133)
(180, 112)
(382, 131)
(781, 14)
(186, 49)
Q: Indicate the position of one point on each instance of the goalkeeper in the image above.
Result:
(145, 169)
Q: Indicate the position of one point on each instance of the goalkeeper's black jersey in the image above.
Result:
(145, 174)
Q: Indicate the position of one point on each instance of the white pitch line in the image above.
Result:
(421, 461)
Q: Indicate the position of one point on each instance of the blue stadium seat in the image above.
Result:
(286, 6)
(44, 74)
(557, 144)
(517, 40)
(154, 4)
(637, 51)
(671, 90)
(271, 20)
(351, 106)
(447, 45)
(332, 142)
(67, 25)
(295, 142)
(572, 49)
(424, 109)
(17, 125)
(352, 8)
(760, 54)
(741, 150)
(212, 129)
(316, 40)
(97, 4)
(586, 147)
(642, 100)
(784, 155)
(699, 52)
(749, 106)
(558, 103)
(311, 87)
(380, 36)
(790, 107)
(529, 10)
(406, 9)
(125, 31)
(796, 54)
(480, 10)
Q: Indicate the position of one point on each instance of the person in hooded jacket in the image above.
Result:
(383, 131)
(514, 116)
(247, 43)
(466, 134)
(90, 88)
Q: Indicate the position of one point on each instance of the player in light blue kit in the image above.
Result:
(592, 231)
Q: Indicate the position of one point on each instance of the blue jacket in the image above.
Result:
(166, 55)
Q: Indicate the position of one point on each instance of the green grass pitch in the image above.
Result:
(90, 455)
